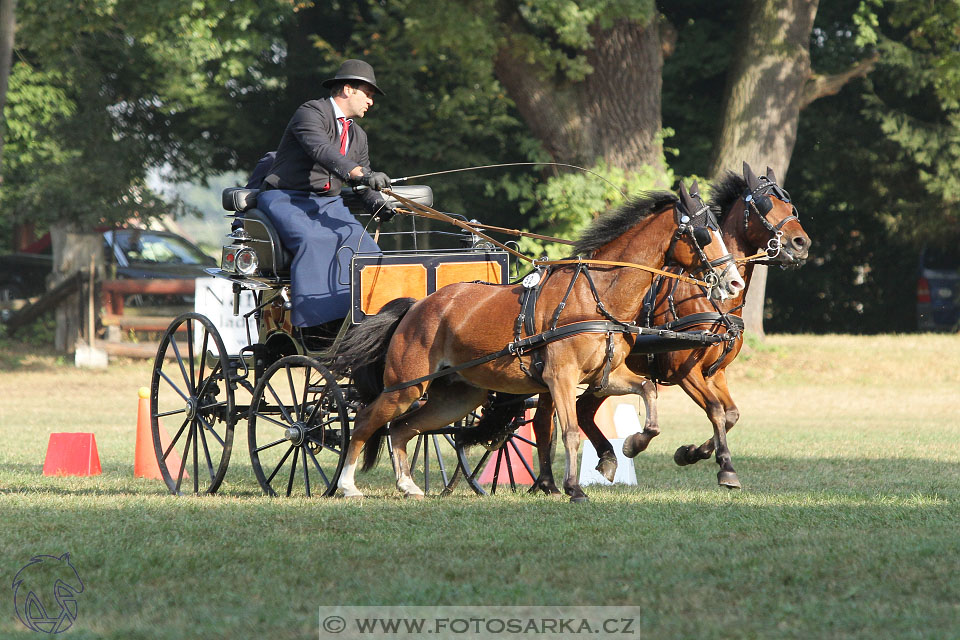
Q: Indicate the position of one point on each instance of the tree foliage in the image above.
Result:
(199, 87)
(135, 86)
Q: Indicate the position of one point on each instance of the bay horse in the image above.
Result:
(755, 214)
(416, 341)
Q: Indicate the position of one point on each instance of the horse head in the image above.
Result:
(770, 220)
(699, 246)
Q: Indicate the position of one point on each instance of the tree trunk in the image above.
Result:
(764, 94)
(7, 27)
(612, 115)
(72, 252)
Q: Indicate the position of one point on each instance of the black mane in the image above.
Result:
(614, 224)
(725, 192)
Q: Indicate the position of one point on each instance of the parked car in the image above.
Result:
(938, 289)
(128, 253)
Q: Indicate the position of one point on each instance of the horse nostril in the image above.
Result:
(798, 241)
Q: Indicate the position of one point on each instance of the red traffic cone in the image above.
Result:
(72, 454)
(145, 458)
(520, 473)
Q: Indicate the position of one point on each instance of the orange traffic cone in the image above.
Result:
(72, 454)
(145, 458)
(520, 473)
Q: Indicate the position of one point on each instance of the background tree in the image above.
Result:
(197, 88)
(7, 27)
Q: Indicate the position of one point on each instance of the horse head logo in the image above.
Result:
(45, 593)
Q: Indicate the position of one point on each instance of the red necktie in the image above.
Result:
(344, 128)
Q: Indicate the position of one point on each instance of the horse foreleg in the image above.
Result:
(369, 419)
(562, 389)
(638, 442)
(543, 432)
(587, 406)
(714, 398)
(447, 402)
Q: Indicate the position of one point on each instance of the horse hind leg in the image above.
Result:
(638, 442)
(369, 419)
(446, 403)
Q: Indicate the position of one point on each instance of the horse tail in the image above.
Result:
(363, 352)
(372, 449)
(496, 419)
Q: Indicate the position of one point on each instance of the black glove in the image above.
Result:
(376, 180)
(386, 211)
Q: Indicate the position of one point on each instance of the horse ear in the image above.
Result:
(752, 181)
(770, 175)
(695, 189)
(688, 203)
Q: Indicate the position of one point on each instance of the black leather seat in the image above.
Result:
(274, 258)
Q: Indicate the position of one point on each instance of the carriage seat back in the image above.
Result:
(274, 257)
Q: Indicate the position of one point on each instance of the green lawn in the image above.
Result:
(847, 527)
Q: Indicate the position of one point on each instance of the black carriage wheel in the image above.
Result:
(191, 406)
(434, 463)
(298, 429)
(506, 471)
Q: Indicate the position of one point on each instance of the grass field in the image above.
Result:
(848, 525)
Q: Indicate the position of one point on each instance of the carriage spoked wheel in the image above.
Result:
(192, 406)
(434, 463)
(298, 429)
(506, 463)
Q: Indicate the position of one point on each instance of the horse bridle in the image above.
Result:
(758, 202)
(688, 223)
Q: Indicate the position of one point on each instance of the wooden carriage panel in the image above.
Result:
(379, 284)
(450, 272)
(376, 280)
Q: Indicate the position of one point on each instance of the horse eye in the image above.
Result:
(703, 236)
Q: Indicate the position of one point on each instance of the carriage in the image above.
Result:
(299, 414)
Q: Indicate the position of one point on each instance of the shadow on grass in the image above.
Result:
(839, 477)
(779, 475)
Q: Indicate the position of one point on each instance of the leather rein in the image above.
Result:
(474, 228)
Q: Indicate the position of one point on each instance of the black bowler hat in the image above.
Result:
(354, 70)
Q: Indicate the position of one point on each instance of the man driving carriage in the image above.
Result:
(322, 148)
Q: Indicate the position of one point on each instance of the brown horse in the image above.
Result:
(756, 214)
(460, 323)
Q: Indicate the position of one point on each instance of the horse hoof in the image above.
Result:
(413, 496)
(684, 455)
(580, 498)
(607, 468)
(352, 496)
(728, 479)
(631, 446)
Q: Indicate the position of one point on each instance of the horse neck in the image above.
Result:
(646, 243)
(735, 237)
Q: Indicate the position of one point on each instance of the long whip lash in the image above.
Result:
(429, 212)
(511, 164)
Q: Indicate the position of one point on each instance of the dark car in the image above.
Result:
(128, 253)
(938, 289)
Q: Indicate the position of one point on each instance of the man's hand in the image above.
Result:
(376, 180)
(386, 211)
